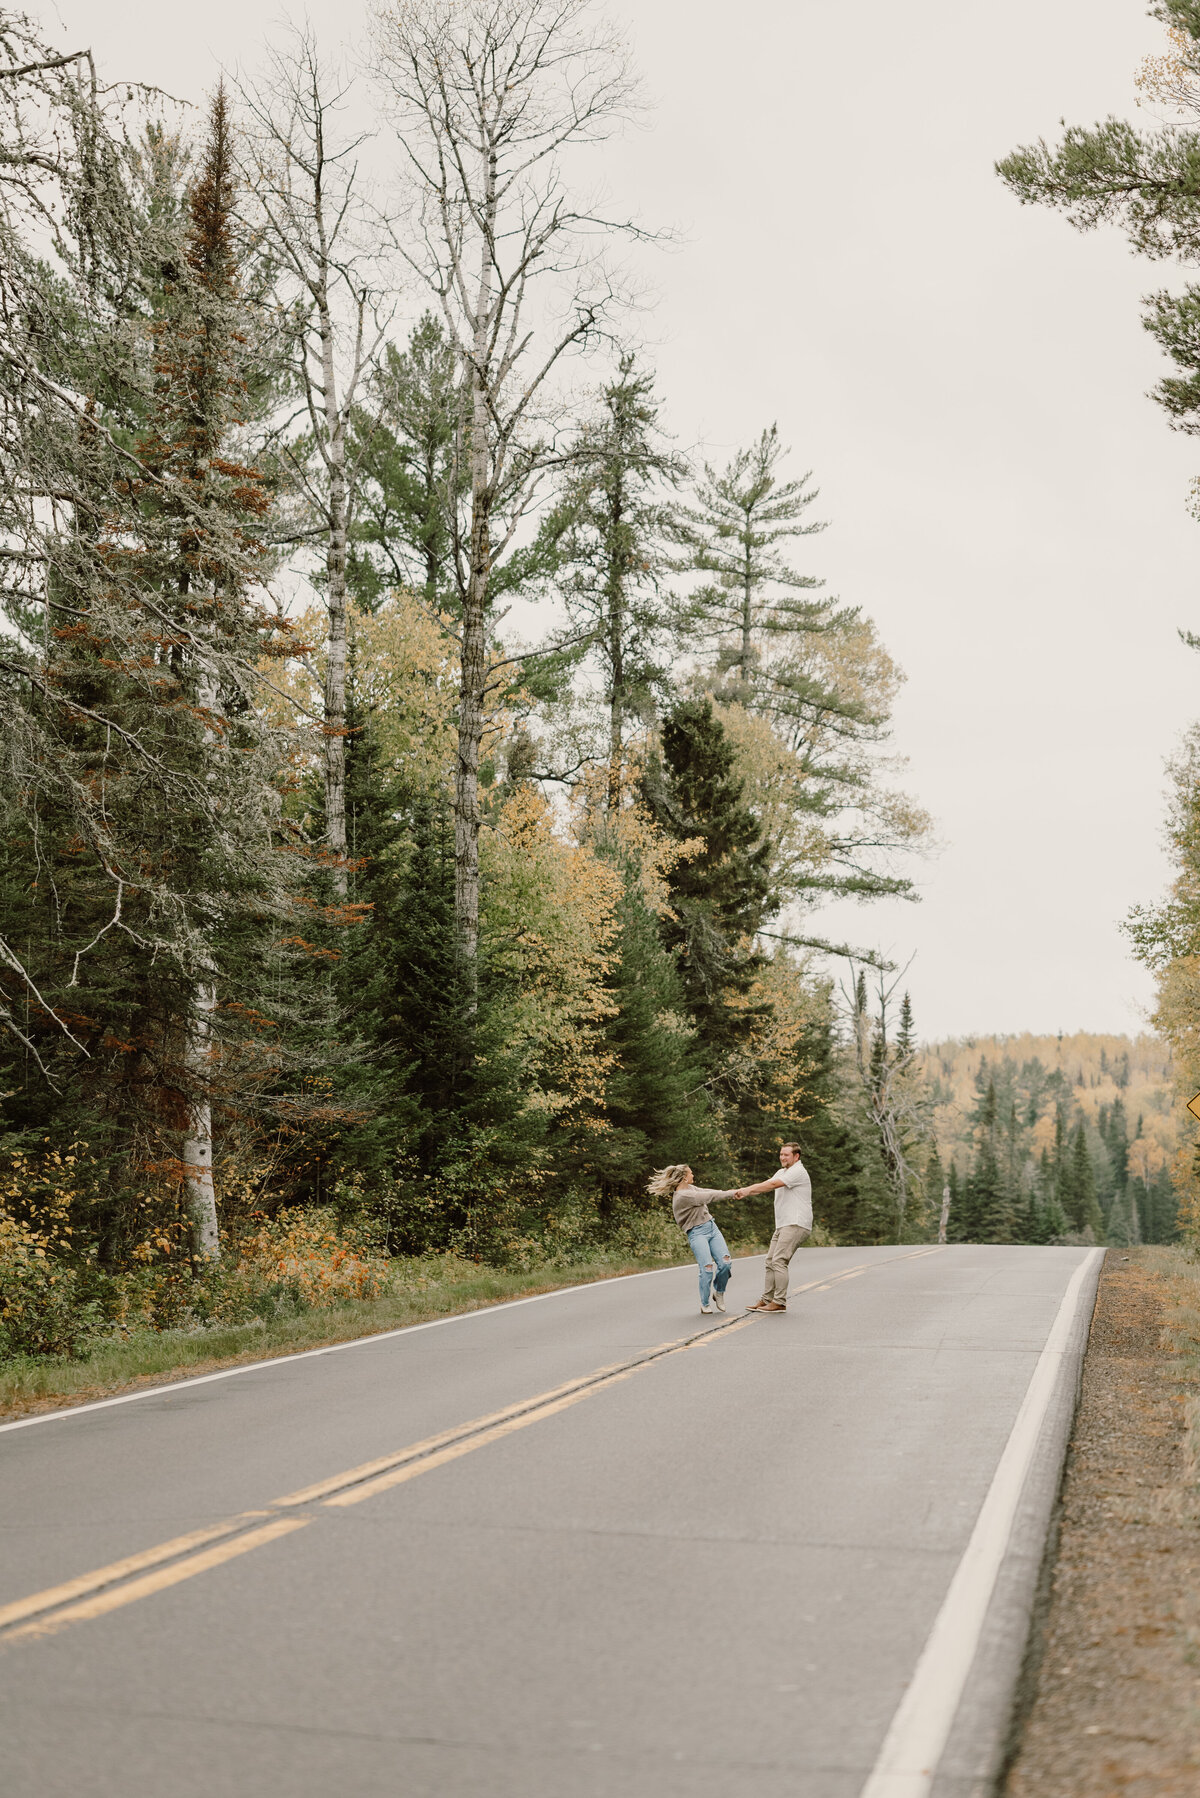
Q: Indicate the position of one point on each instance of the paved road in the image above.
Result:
(711, 1576)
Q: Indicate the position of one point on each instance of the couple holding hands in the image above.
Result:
(793, 1222)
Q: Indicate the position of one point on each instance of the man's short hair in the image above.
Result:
(793, 1146)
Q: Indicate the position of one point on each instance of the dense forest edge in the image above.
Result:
(352, 943)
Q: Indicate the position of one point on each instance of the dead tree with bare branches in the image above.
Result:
(303, 194)
(487, 99)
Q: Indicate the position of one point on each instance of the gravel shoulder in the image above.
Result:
(1116, 1705)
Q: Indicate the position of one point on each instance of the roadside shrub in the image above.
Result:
(301, 1259)
(42, 1311)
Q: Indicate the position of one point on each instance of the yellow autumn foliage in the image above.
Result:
(405, 673)
(549, 933)
(1177, 1015)
(819, 789)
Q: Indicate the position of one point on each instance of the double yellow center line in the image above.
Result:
(154, 1569)
(138, 1576)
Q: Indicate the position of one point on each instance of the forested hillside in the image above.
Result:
(1046, 1137)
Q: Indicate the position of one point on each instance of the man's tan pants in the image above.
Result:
(784, 1243)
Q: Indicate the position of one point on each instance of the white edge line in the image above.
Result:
(920, 1729)
(334, 1348)
(330, 1348)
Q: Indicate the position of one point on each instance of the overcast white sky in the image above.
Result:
(967, 379)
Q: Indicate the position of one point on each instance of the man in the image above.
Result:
(793, 1223)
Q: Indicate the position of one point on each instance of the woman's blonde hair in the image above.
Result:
(665, 1181)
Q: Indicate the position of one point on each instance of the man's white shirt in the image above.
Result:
(793, 1200)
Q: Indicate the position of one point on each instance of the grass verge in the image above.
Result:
(421, 1291)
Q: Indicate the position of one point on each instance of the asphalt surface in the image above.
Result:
(712, 1578)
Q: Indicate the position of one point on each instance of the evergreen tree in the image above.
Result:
(1028, 1219)
(1149, 184)
(720, 892)
(850, 1198)
(743, 516)
(906, 1038)
(656, 1102)
(408, 445)
(965, 1213)
(610, 530)
(1117, 1143)
(989, 1201)
(954, 1232)
(1065, 1192)
(158, 776)
(1157, 1206)
(1078, 1192)
(399, 976)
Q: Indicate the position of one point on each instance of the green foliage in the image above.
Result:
(742, 517)
(656, 1102)
(720, 891)
(175, 947)
(407, 448)
(610, 530)
(1148, 183)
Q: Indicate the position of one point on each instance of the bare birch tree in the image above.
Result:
(484, 98)
(302, 183)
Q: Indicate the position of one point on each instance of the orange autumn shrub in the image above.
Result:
(302, 1259)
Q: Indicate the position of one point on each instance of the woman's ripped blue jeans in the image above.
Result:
(712, 1258)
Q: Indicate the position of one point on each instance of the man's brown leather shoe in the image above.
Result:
(770, 1305)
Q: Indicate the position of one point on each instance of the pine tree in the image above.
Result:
(1078, 1192)
(610, 529)
(906, 1037)
(952, 1221)
(742, 517)
(964, 1212)
(990, 1203)
(849, 1193)
(1148, 184)
(1028, 1221)
(719, 892)
(1157, 1207)
(409, 445)
(1065, 1192)
(988, 1210)
(160, 776)
(656, 1101)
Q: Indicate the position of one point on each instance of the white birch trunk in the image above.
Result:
(199, 1190)
(335, 599)
(200, 1193)
(747, 611)
(474, 639)
(944, 1220)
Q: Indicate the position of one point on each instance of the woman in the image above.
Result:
(690, 1206)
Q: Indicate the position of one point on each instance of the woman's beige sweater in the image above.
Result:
(691, 1203)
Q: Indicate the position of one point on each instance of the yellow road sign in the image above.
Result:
(1193, 1106)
